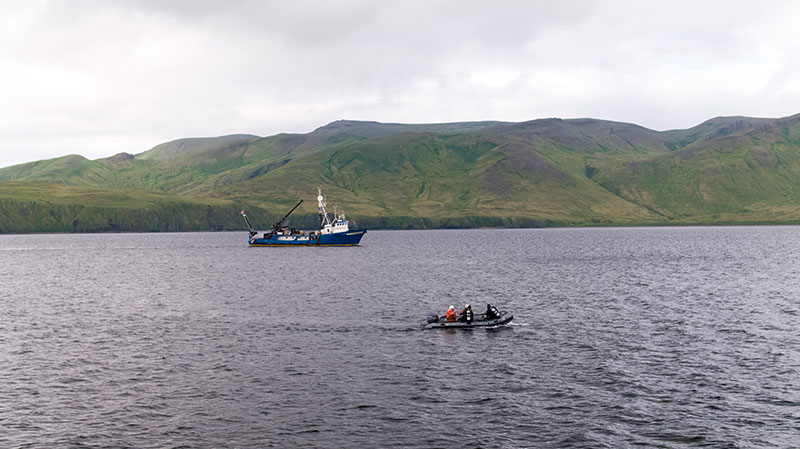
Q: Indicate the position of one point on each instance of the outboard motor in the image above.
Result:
(433, 318)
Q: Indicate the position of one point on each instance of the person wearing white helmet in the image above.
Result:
(451, 314)
(466, 314)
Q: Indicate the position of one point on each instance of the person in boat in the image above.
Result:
(466, 314)
(491, 312)
(451, 314)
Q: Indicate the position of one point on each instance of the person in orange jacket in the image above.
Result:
(451, 314)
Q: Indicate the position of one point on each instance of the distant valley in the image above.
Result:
(548, 172)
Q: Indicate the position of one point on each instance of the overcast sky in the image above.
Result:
(101, 77)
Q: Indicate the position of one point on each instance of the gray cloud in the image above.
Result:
(97, 77)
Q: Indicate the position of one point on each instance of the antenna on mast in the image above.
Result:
(323, 214)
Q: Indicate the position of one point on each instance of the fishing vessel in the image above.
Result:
(332, 232)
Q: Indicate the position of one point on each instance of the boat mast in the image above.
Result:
(323, 214)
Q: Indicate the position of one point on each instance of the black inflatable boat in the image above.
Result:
(437, 322)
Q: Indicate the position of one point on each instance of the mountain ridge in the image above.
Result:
(550, 171)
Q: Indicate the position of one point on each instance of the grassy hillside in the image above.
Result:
(741, 171)
(48, 207)
(536, 173)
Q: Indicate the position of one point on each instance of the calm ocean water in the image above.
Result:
(657, 337)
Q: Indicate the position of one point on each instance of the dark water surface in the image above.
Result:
(677, 337)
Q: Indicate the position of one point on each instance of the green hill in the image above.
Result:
(536, 173)
(733, 170)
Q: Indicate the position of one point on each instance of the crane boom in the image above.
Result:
(249, 226)
(279, 223)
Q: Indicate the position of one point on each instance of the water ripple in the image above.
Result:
(675, 337)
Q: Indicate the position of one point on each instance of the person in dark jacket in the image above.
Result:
(466, 314)
(491, 312)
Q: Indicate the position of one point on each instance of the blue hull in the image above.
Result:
(349, 238)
